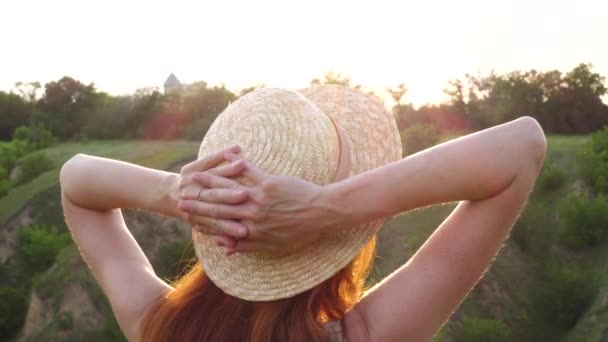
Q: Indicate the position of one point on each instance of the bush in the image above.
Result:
(36, 136)
(5, 183)
(33, 166)
(13, 307)
(39, 246)
(484, 330)
(551, 178)
(419, 136)
(65, 320)
(533, 231)
(594, 161)
(173, 259)
(563, 295)
(584, 220)
(9, 154)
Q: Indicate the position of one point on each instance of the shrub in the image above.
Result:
(13, 307)
(65, 320)
(173, 259)
(9, 154)
(5, 183)
(484, 330)
(533, 231)
(594, 161)
(584, 220)
(419, 136)
(36, 136)
(39, 246)
(551, 178)
(33, 166)
(563, 294)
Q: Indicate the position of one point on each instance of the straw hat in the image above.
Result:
(298, 134)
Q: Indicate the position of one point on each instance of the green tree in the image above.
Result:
(69, 104)
(14, 112)
(562, 103)
(110, 118)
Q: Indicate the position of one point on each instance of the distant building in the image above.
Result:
(172, 84)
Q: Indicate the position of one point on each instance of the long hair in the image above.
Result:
(198, 311)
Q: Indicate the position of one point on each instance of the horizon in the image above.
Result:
(121, 47)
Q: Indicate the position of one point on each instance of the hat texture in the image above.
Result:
(294, 133)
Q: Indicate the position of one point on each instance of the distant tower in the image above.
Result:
(172, 83)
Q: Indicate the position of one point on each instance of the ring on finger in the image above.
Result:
(199, 195)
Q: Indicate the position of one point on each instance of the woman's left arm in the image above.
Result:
(94, 189)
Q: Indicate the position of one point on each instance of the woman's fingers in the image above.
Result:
(222, 196)
(252, 172)
(218, 227)
(210, 161)
(214, 210)
(233, 169)
(245, 246)
(212, 181)
(224, 240)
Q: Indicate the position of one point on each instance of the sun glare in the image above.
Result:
(124, 46)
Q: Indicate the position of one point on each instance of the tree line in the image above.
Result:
(564, 103)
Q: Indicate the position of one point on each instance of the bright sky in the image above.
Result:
(125, 45)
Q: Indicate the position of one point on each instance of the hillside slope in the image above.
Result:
(65, 301)
(66, 304)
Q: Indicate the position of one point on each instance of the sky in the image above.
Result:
(124, 45)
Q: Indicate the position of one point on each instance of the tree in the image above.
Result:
(69, 104)
(332, 77)
(569, 103)
(14, 112)
(200, 100)
(28, 91)
(109, 119)
(397, 93)
(577, 107)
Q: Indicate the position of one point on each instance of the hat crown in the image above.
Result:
(281, 132)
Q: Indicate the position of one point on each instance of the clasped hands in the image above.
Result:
(262, 213)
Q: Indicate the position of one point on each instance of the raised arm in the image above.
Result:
(93, 191)
(491, 172)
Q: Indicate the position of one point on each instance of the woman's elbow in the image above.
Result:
(70, 172)
(534, 142)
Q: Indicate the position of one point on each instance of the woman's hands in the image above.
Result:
(220, 189)
(281, 213)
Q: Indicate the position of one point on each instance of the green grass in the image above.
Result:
(146, 153)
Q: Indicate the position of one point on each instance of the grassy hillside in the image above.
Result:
(66, 293)
(510, 303)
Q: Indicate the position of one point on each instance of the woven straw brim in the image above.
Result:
(285, 133)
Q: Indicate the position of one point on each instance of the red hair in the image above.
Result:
(198, 311)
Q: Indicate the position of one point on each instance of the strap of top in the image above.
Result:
(334, 328)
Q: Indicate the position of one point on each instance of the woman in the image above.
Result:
(284, 230)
